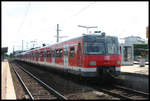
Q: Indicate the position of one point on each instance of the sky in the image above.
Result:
(36, 22)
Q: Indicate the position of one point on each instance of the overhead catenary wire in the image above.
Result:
(23, 20)
(79, 12)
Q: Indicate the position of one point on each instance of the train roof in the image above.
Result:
(84, 35)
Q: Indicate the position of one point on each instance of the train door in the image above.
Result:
(39, 56)
(66, 55)
(44, 55)
(34, 55)
(79, 62)
(53, 55)
(48, 54)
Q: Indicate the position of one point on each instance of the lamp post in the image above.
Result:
(87, 27)
(33, 43)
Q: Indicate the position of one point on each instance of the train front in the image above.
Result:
(101, 55)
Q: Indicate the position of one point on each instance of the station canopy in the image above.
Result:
(4, 50)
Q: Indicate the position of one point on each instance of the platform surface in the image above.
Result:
(7, 86)
(136, 69)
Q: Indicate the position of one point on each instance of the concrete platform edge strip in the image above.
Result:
(134, 74)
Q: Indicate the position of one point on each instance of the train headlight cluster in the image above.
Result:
(92, 63)
(118, 63)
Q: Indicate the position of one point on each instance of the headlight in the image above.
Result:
(118, 63)
(92, 63)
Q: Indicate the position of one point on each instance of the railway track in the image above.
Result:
(118, 91)
(35, 88)
(124, 93)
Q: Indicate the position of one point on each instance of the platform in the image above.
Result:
(7, 86)
(136, 69)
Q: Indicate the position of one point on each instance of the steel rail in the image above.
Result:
(121, 95)
(115, 94)
(29, 93)
(132, 90)
(60, 96)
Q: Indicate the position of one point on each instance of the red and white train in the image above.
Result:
(88, 55)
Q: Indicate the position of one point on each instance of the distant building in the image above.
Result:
(133, 40)
(140, 47)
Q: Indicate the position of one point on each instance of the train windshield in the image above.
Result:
(101, 45)
(94, 45)
(94, 48)
(112, 45)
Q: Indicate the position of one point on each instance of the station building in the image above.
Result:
(4, 50)
(132, 48)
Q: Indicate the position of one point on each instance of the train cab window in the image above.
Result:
(72, 52)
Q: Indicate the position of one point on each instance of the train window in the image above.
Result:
(37, 54)
(60, 53)
(33, 55)
(94, 48)
(42, 54)
(79, 47)
(72, 52)
(48, 53)
(57, 53)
